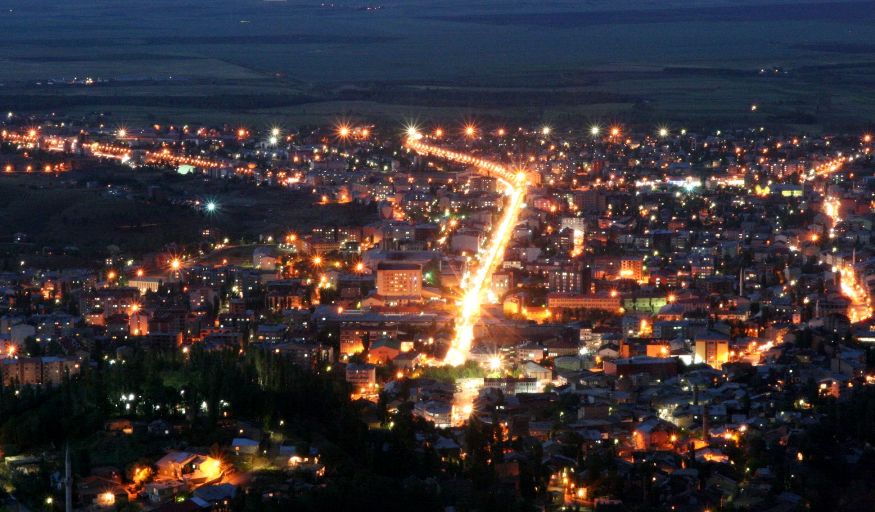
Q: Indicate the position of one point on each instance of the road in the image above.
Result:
(475, 284)
(860, 308)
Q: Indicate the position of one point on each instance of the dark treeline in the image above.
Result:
(202, 394)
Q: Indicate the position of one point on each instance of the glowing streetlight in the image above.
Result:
(413, 132)
(470, 130)
(211, 206)
(495, 363)
(663, 132)
(438, 132)
(594, 130)
(343, 131)
(317, 260)
(546, 130)
(175, 264)
(122, 133)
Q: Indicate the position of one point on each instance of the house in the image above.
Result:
(161, 491)
(535, 371)
(654, 433)
(384, 350)
(214, 496)
(408, 360)
(244, 446)
(101, 491)
(190, 468)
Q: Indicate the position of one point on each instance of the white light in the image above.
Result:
(495, 363)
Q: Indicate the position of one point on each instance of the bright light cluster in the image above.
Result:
(475, 284)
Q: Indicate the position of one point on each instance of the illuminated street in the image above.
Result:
(474, 284)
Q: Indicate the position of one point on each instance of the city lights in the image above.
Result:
(476, 282)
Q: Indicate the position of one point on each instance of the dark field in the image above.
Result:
(58, 212)
(803, 63)
(749, 12)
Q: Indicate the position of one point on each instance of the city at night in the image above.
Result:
(448, 255)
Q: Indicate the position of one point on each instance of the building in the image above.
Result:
(607, 302)
(632, 268)
(399, 279)
(512, 386)
(712, 349)
(655, 367)
(37, 371)
(109, 301)
(565, 280)
(145, 283)
(362, 376)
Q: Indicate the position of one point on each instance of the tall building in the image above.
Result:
(399, 279)
(565, 280)
(632, 268)
(712, 349)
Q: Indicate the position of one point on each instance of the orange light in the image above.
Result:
(110, 275)
(211, 468)
(140, 272)
(106, 499)
(501, 132)
(317, 260)
(343, 131)
(615, 131)
(470, 130)
(867, 138)
(175, 264)
(359, 267)
(438, 133)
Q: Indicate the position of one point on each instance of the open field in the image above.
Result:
(810, 63)
(58, 212)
